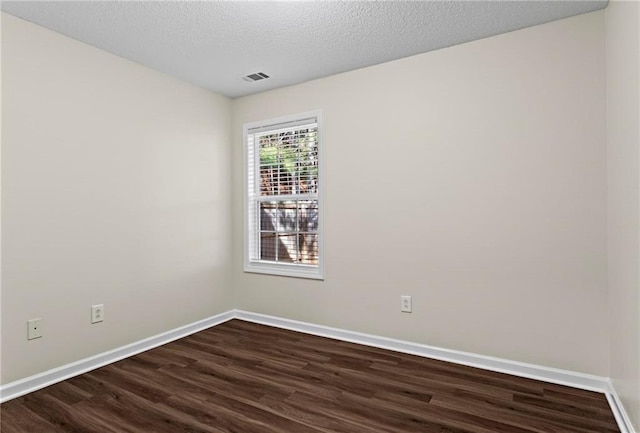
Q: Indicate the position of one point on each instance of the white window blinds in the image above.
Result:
(283, 206)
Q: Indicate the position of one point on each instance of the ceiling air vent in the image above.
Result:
(255, 77)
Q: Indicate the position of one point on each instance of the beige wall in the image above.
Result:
(623, 138)
(116, 190)
(472, 178)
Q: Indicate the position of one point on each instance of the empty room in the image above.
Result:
(320, 216)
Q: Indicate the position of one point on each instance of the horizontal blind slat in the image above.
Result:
(287, 197)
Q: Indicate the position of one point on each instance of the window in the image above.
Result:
(283, 196)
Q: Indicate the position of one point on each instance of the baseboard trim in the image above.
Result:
(619, 412)
(547, 374)
(33, 383)
(531, 371)
(563, 377)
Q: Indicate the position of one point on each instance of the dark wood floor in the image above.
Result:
(242, 377)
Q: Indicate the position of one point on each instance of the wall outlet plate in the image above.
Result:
(405, 304)
(97, 313)
(34, 329)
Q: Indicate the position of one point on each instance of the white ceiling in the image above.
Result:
(213, 44)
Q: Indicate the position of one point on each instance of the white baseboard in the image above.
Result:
(44, 379)
(532, 371)
(621, 415)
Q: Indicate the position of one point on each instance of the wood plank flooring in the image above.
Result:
(243, 378)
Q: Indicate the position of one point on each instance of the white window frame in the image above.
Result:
(268, 267)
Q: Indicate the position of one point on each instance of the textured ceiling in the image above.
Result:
(214, 44)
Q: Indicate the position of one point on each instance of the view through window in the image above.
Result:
(283, 201)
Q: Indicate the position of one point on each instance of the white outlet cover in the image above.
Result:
(97, 313)
(405, 304)
(34, 329)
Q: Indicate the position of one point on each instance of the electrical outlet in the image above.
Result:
(405, 304)
(34, 329)
(97, 313)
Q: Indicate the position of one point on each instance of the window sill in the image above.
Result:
(284, 270)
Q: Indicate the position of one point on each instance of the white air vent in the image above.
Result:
(255, 77)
